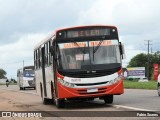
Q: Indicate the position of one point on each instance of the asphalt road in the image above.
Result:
(12, 98)
(134, 99)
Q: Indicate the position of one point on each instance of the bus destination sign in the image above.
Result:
(84, 33)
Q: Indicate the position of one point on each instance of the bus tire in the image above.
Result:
(108, 99)
(52, 93)
(158, 89)
(20, 88)
(45, 101)
(60, 103)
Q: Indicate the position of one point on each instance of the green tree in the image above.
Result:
(2, 74)
(139, 60)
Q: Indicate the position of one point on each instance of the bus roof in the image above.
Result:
(85, 26)
(54, 33)
(44, 40)
(31, 66)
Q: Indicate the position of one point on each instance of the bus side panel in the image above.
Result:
(18, 81)
(49, 79)
(21, 81)
(38, 80)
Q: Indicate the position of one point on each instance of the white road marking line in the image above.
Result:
(132, 108)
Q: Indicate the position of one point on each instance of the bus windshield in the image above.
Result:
(88, 55)
(28, 73)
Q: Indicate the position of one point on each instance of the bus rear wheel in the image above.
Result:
(60, 103)
(158, 89)
(108, 99)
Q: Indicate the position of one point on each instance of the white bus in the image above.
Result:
(83, 62)
(25, 77)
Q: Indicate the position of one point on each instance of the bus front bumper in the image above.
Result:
(66, 92)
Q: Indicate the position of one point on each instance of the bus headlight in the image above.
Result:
(64, 83)
(115, 80)
(25, 81)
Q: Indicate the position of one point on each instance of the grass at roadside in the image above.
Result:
(131, 84)
(151, 85)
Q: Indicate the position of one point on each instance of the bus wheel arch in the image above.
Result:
(41, 89)
(52, 91)
(60, 103)
(44, 100)
(20, 88)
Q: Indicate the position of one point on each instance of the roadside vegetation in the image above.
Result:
(141, 60)
(134, 84)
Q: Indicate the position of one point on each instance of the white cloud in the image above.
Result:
(24, 23)
(136, 20)
(12, 55)
(130, 51)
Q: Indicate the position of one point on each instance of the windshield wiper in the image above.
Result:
(82, 50)
(96, 48)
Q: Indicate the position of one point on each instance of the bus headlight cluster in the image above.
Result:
(116, 80)
(67, 84)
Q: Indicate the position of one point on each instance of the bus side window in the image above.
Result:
(46, 54)
(39, 58)
(35, 59)
(48, 62)
(51, 57)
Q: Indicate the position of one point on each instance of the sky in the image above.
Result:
(24, 23)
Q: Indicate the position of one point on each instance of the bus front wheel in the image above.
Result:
(108, 99)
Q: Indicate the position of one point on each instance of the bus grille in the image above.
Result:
(100, 90)
(90, 84)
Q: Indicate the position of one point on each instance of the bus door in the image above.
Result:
(43, 70)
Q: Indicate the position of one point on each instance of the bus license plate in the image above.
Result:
(90, 90)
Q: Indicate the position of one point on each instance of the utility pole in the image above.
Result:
(23, 63)
(151, 50)
(148, 43)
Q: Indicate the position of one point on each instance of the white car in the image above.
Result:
(158, 85)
